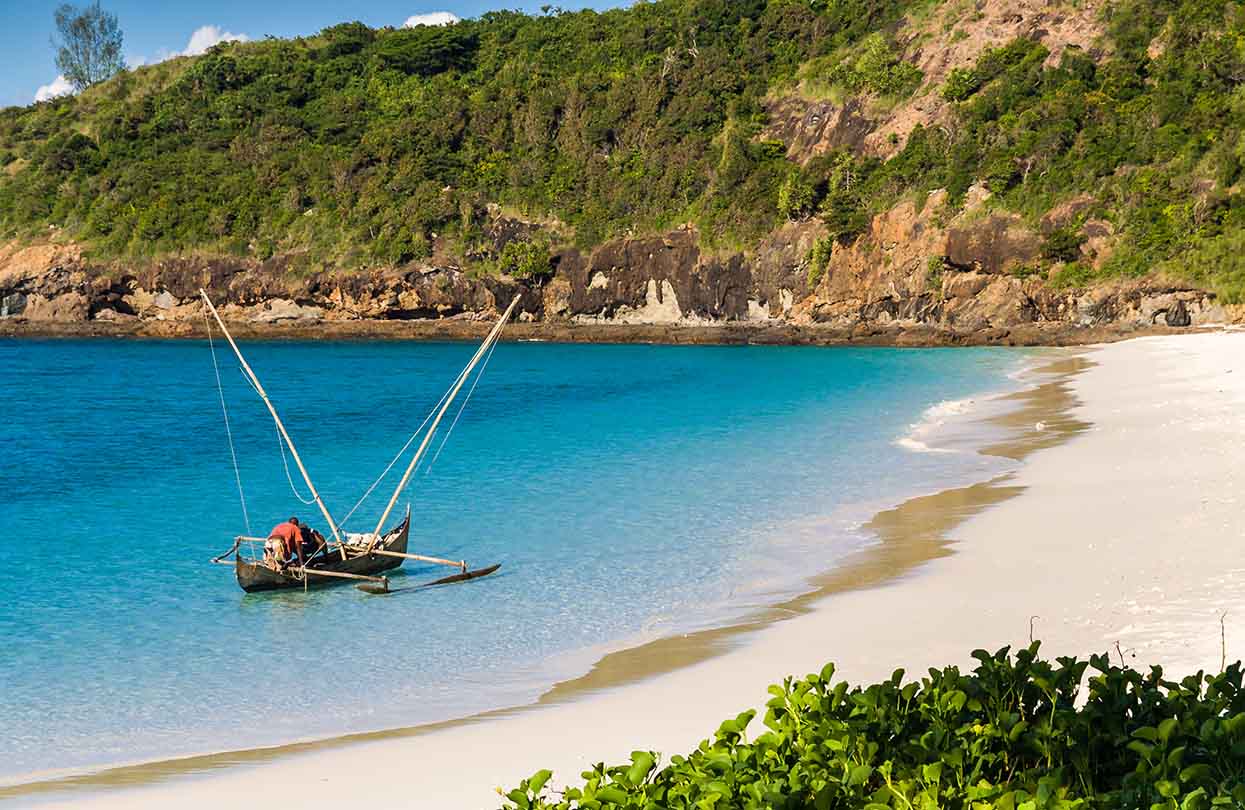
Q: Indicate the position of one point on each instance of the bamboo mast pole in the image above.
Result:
(280, 425)
(432, 429)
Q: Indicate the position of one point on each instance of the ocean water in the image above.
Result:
(628, 491)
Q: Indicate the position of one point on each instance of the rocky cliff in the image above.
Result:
(919, 274)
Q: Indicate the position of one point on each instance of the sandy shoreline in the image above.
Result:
(1163, 416)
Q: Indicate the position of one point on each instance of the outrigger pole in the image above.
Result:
(432, 429)
(259, 388)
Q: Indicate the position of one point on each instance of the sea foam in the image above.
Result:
(923, 434)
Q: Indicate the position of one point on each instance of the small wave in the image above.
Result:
(934, 418)
(918, 446)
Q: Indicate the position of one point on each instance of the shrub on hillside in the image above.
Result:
(525, 260)
(1017, 733)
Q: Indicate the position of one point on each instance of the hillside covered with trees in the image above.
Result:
(359, 148)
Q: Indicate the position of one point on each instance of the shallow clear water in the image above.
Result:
(628, 490)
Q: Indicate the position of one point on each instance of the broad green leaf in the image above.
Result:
(1200, 772)
(609, 793)
(538, 780)
(859, 775)
(641, 764)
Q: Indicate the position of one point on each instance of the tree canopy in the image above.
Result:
(89, 48)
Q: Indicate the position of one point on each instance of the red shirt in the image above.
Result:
(290, 534)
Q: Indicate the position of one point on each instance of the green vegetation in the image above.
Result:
(877, 69)
(1014, 735)
(818, 259)
(359, 147)
(88, 50)
(524, 260)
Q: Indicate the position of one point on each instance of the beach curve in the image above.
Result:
(916, 621)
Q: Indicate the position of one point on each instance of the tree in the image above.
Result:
(89, 48)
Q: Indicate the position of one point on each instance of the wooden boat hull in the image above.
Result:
(256, 577)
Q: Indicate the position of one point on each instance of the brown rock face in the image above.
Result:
(67, 307)
(814, 128)
(993, 245)
(661, 279)
(912, 277)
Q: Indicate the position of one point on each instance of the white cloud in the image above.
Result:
(431, 18)
(59, 87)
(206, 36)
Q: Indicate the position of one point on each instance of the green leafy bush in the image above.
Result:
(819, 258)
(796, 196)
(876, 67)
(526, 260)
(1018, 733)
(1063, 244)
(960, 84)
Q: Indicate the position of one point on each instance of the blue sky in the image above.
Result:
(154, 30)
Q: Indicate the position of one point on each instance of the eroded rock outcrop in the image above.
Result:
(919, 269)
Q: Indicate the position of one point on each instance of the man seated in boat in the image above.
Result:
(313, 542)
(285, 543)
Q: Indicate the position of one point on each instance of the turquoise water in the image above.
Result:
(629, 491)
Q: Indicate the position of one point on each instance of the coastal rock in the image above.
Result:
(164, 300)
(284, 310)
(12, 305)
(921, 271)
(66, 308)
(779, 267)
(655, 280)
(110, 315)
(994, 244)
(556, 299)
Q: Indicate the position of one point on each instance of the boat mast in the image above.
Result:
(280, 426)
(432, 429)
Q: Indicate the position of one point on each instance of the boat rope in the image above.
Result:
(285, 463)
(280, 446)
(220, 390)
(236, 544)
(401, 453)
(462, 407)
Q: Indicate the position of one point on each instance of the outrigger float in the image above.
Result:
(361, 558)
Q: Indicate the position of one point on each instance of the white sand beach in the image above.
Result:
(1130, 532)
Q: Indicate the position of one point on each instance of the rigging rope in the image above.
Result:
(285, 463)
(461, 408)
(280, 446)
(420, 430)
(220, 390)
(401, 452)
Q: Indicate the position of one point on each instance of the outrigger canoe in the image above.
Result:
(329, 566)
(364, 558)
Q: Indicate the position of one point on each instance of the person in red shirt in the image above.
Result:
(290, 541)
